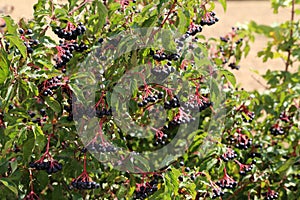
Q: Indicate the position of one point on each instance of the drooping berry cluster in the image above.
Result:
(209, 19)
(226, 49)
(244, 168)
(40, 119)
(65, 50)
(226, 181)
(271, 194)
(240, 140)
(50, 166)
(70, 32)
(173, 103)
(160, 56)
(180, 118)
(217, 192)
(46, 162)
(83, 184)
(102, 112)
(194, 29)
(228, 155)
(150, 99)
(284, 117)
(99, 147)
(48, 87)
(144, 190)
(28, 41)
(247, 116)
(255, 155)
(197, 102)
(161, 73)
(160, 137)
(276, 129)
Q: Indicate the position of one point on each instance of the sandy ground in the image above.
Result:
(238, 12)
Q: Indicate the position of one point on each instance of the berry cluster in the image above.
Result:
(38, 120)
(96, 147)
(173, 103)
(51, 166)
(197, 102)
(227, 48)
(284, 117)
(194, 29)
(28, 41)
(83, 184)
(217, 192)
(226, 181)
(240, 140)
(209, 19)
(102, 112)
(244, 168)
(180, 118)
(228, 155)
(144, 190)
(247, 116)
(255, 155)
(65, 50)
(161, 73)
(48, 86)
(233, 65)
(271, 194)
(276, 129)
(160, 56)
(70, 32)
(160, 137)
(151, 99)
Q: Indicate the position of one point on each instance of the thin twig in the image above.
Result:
(259, 82)
(78, 7)
(291, 36)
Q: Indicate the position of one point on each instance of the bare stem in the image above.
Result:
(291, 36)
(82, 4)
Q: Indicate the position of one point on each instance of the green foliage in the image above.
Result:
(38, 97)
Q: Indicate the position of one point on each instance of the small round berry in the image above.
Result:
(21, 31)
(180, 178)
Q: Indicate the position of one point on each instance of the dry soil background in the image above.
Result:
(238, 12)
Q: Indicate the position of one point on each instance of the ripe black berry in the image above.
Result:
(21, 31)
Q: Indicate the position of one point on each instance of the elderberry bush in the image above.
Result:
(221, 141)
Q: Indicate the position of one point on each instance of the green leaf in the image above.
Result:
(33, 88)
(39, 137)
(18, 43)
(183, 16)
(4, 66)
(11, 26)
(10, 186)
(78, 92)
(53, 104)
(224, 4)
(102, 12)
(229, 77)
(283, 168)
(60, 12)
